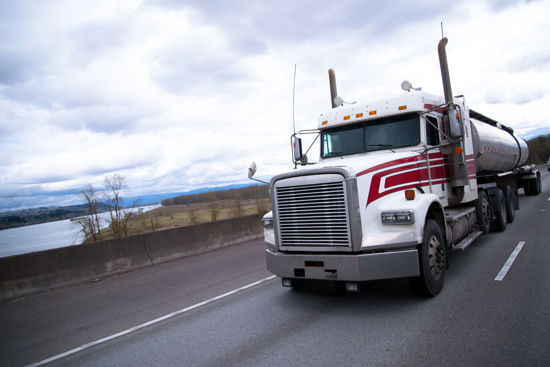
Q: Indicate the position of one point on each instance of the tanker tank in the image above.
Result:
(495, 149)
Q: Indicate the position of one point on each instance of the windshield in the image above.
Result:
(387, 133)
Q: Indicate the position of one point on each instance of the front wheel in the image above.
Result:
(432, 257)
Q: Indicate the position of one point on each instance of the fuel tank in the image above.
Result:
(495, 149)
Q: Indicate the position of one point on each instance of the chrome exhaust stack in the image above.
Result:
(333, 91)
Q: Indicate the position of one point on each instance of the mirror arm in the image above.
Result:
(255, 179)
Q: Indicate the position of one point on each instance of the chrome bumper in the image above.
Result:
(352, 267)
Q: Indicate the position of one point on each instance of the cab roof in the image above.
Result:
(407, 102)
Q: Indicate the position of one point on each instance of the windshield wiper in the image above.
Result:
(387, 146)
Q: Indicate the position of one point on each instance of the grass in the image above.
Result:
(190, 214)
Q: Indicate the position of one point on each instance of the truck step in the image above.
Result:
(467, 241)
(453, 215)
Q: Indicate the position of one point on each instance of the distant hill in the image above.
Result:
(233, 192)
(24, 217)
(159, 198)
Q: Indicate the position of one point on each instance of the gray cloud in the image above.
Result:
(97, 39)
(197, 68)
(176, 95)
(252, 26)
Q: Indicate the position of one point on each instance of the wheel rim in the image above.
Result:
(436, 260)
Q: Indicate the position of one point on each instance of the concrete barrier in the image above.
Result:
(28, 273)
(184, 241)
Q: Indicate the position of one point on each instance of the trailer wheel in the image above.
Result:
(432, 257)
(483, 212)
(509, 198)
(537, 185)
(499, 209)
(527, 187)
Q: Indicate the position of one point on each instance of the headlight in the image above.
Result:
(398, 217)
(267, 222)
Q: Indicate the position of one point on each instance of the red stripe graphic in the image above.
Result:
(406, 176)
(390, 179)
(399, 161)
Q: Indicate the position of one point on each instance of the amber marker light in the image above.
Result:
(359, 115)
(401, 108)
(346, 117)
(409, 194)
(372, 113)
(324, 123)
(459, 150)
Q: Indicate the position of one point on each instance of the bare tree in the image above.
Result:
(237, 208)
(90, 223)
(120, 218)
(193, 214)
(213, 206)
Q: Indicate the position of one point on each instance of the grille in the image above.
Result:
(313, 215)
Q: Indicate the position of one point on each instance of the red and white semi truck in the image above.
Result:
(400, 182)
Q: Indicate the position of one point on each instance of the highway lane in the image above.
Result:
(475, 320)
(36, 327)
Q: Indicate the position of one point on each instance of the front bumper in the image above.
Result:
(352, 267)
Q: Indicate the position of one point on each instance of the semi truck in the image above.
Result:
(400, 183)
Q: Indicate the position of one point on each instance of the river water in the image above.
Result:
(45, 236)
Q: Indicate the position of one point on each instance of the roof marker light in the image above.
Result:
(324, 123)
(401, 108)
(346, 117)
(359, 115)
(372, 113)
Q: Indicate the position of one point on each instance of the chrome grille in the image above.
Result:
(313, 215)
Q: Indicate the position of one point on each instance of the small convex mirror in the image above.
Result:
(252, 170)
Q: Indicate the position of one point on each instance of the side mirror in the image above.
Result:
(252, 170)
(297, 149)
(455, 121)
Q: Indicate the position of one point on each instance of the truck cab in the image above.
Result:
(359, 214)
(400, 182)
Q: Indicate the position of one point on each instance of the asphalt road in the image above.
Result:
(476, 320)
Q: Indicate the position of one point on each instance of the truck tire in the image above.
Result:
(499, 209)
(527, 187)
(509, 198)
(432, 258)
(537, 185)
(483, 212)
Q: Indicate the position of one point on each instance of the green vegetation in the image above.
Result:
(539, 149)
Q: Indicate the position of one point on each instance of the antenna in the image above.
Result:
(293, 94)
(442, 29)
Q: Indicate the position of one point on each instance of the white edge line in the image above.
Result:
(148, 323)
(509, 262)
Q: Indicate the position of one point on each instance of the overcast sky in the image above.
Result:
(177, 95)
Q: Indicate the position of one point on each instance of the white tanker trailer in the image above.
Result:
(400, 182)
